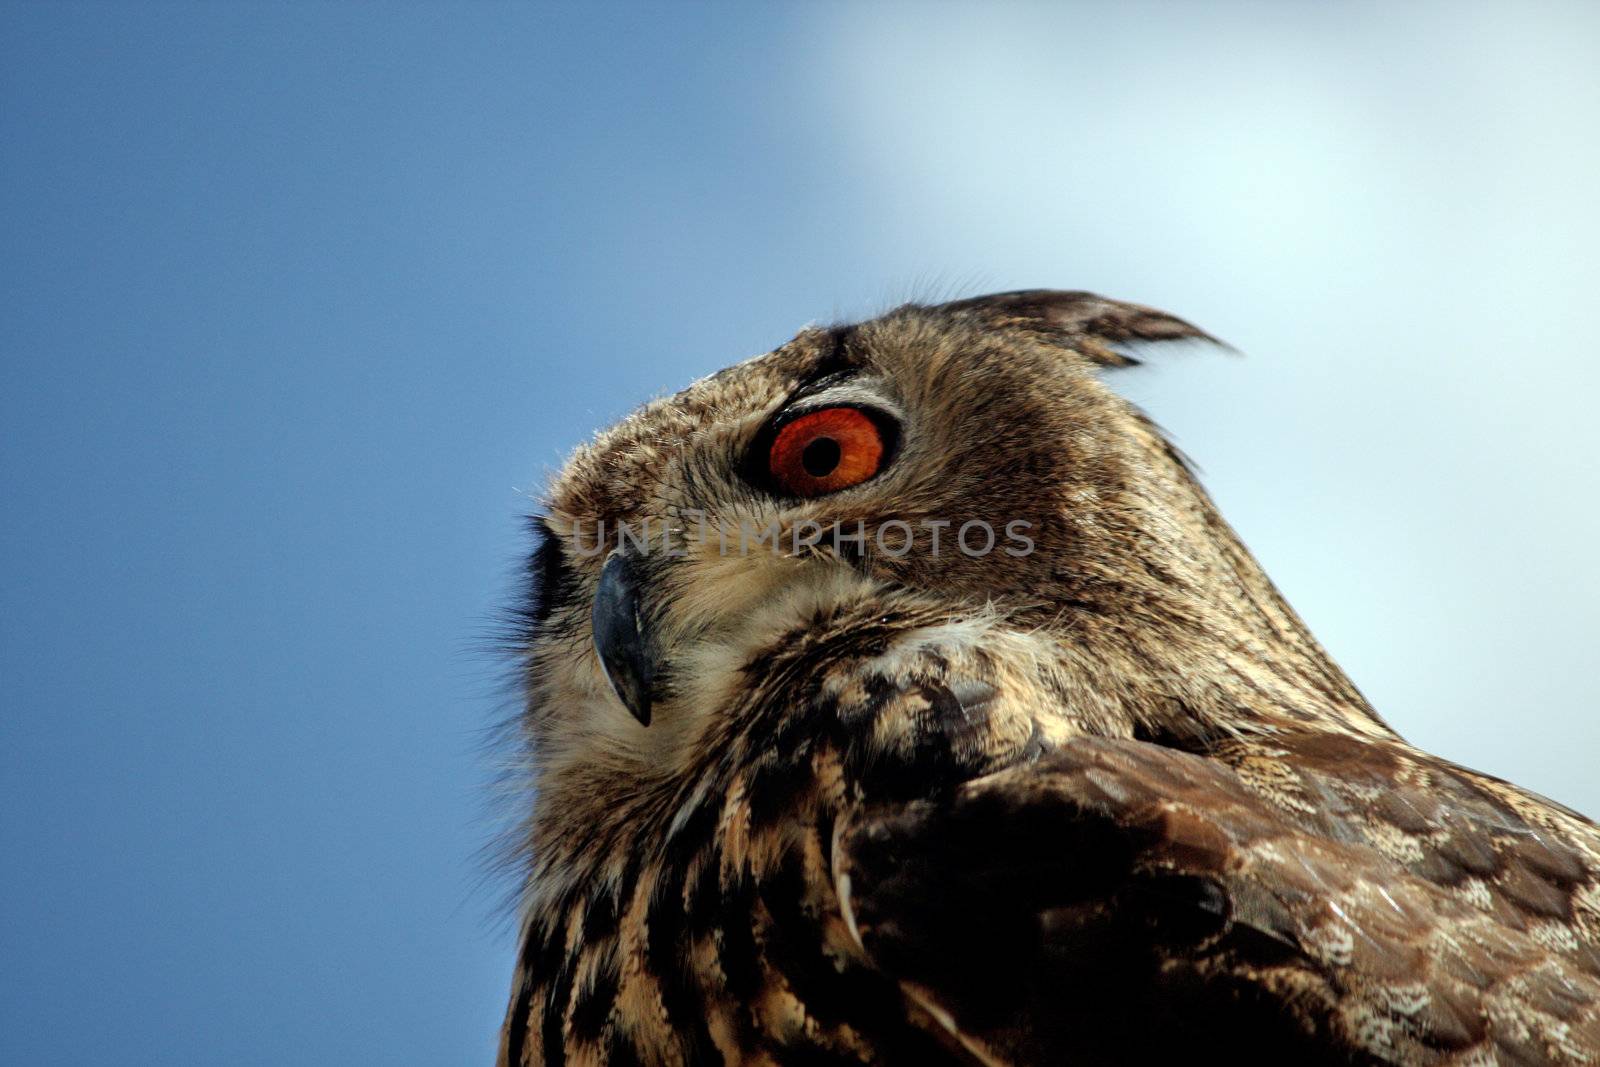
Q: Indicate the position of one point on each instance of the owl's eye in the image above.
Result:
(827, 450)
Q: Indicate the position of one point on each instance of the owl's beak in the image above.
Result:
(620, 638)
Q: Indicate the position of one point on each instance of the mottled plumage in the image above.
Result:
(1098, 801)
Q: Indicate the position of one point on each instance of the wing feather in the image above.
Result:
(1120, 900)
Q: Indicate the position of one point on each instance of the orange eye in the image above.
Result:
(824, 451)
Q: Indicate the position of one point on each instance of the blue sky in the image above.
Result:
(302, 302)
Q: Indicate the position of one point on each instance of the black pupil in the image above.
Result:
(820, 457)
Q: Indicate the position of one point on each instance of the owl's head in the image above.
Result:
(948, 481)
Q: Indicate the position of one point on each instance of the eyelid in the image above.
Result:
(853, 393)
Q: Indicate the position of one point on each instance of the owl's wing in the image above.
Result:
(1324, 900)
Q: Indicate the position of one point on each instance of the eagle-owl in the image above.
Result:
(899, 697)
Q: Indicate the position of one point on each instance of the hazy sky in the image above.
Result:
(301, 301)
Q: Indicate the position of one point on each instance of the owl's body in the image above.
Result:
(1078, 788)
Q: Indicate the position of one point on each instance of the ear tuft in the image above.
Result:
(1085, 322)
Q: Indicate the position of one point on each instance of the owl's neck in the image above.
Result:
(1175, 622)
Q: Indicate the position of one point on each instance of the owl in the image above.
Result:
(899, 697)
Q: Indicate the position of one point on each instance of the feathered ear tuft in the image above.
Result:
(1087, 323)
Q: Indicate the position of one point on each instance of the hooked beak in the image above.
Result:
(626, 652)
